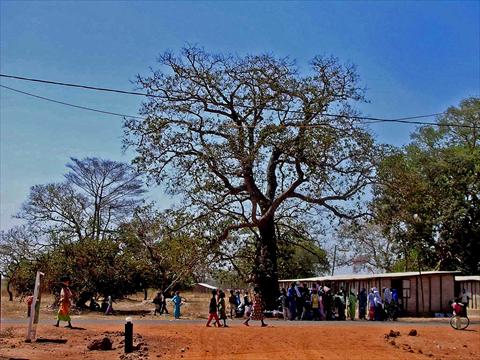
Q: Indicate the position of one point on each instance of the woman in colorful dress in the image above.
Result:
(257, 312)
(65, 303)
(177, 302)
(371, 305)
(352, 304)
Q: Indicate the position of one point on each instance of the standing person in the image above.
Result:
(292, 306)
(299, 300)
(465, 298)
(328, 303)
(247, 305)
(109, 305)
(306, 302)
(340, 304)
(315, 303)
(257, 312)
(352, 304)
(378, 311)
(283, 299)
(222, 311)
(65, 302)
(29, 301)
(321, 307)
(371, 305)
(157, 300)
(362, 304)
(163, 307)
(177, 302)
(212, 309)
(232, 301)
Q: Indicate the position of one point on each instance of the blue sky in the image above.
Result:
(414, 58)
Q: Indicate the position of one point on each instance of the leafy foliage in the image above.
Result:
(427, 197)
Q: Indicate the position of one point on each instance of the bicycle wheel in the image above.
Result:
(459, 322)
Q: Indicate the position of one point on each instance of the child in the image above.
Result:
(221, 308)
(212, 310)
(29, 302)
(257, 312)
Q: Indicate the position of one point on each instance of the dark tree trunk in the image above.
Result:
(266, 270)
(10, 293)
(145, 294)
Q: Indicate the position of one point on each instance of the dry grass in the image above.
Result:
(194, 307)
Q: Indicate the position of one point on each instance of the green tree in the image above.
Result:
(428, 192)
(245, 141)
(96, 196)
(19, 246)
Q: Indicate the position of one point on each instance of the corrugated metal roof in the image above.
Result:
(370, 276)
(468, 278)
(207, 286)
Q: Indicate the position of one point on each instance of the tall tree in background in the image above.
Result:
(96, 196)
(427, 197)
(246, 142)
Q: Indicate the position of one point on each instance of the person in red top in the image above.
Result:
(457, 307)
(212, 310)
(29, 301)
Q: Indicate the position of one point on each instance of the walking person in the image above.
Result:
(232, 301)
(109, 305)
(257, 312)
(222, 311)
(212, 310)
(283, 299)
(65, 302)
(177, 302)
(157, 301)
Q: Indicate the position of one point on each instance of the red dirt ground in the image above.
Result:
(277, 341)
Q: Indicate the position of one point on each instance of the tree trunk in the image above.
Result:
(266, 270)
(10, 293)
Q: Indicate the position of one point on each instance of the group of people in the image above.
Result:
(160, 301)
(253, 310)
(320, 303)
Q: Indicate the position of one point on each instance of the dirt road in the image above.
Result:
(280, 340)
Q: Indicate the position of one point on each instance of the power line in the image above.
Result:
(125, 92)
(403, 120)
(71, 105)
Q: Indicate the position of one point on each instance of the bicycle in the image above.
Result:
(459, 322)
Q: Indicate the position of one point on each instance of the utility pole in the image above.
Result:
(334, 259)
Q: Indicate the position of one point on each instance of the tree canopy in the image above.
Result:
(427, 196)
(246, 142)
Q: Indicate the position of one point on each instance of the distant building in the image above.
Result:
(203, 288)
(471, 284)
(420, 293)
